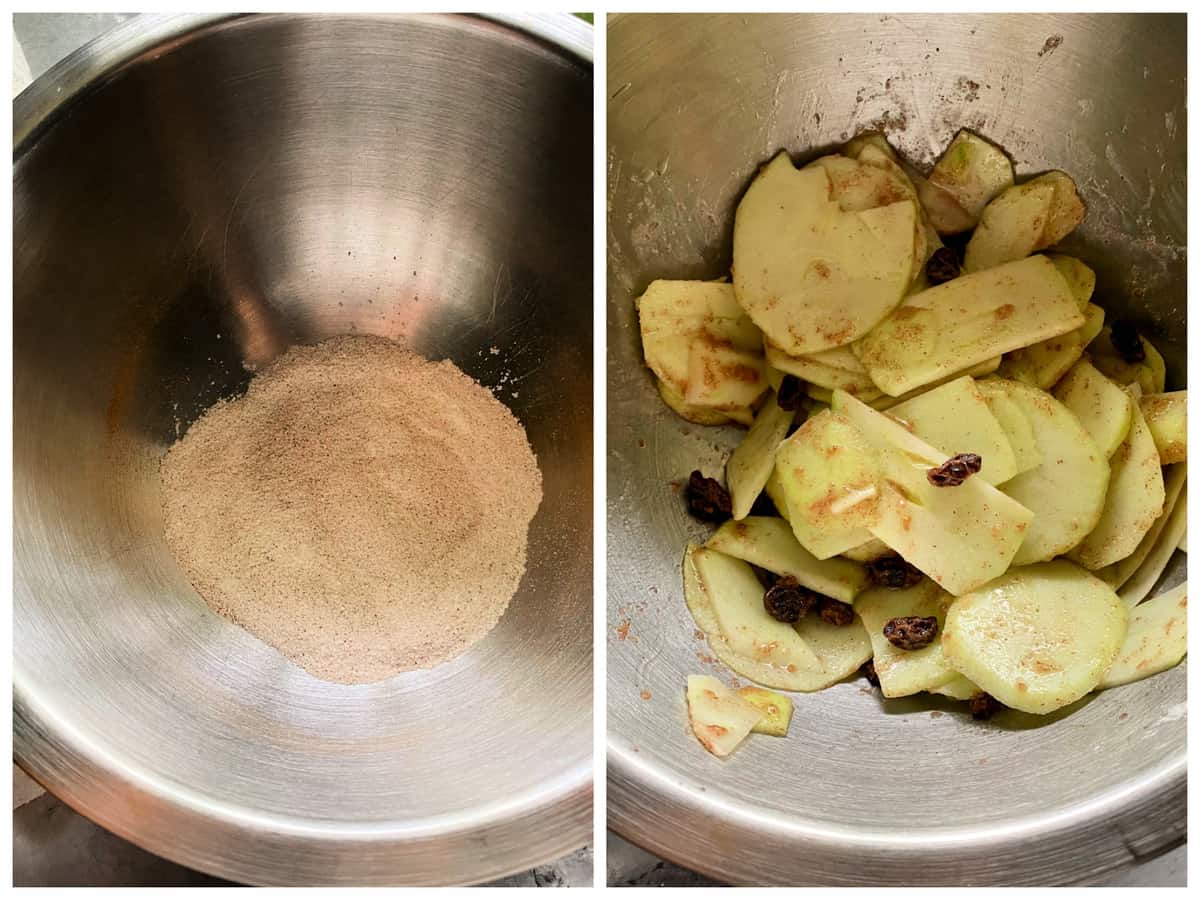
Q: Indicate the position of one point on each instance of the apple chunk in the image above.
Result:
(967, 321)
(720, 718)
(1037, 638)
(811, 275)
(1133, 503)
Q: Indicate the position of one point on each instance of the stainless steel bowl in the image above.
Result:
(193, 195)
(863, 792)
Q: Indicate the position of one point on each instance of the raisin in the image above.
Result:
(790, 393)
(764, 506)
(911, 632)
(835, 612)
(984, 706)
(787, 601)
(1127, 342)
(868, 670)
(943, 266)
(893, 572)
(955, 470)
(707, 500)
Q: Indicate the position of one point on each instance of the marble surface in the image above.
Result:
(52, 844)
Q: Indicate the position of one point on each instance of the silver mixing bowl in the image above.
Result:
(863, 792)
(193, 195)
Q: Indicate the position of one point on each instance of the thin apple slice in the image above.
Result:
(1150, 373)
(987, 367)
(752, 461)
(972, 171)
(1017, 428)
(1136, 575)
(869, 552)
(810, 275)
(958, 688)
(1066, 492)
(905, 672)
(1037, 638)
(1133, 503)
(1081, 278)
(776, 710)
(1166, 417)
(959, 536)
(671, 314)
(1010, 227)
(967, 321)
(774, 490)
(816, 369)
(829, 476)
(1066, 209)
(700, 415)
(1156, 639)
(955, 418)
(1045, 363)
(720, 718)
(1102, 408)
(722, 377)
(769, 543)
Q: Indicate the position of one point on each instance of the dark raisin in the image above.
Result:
(911, 632)
(765, 578)
(943, 266)
(835, 612)
(707, 500)
(1127, 342)
(955, 470)
(764, 506)
(787, 601)
(790, 393)
(868, 670)
(893, 572)
(984, 706)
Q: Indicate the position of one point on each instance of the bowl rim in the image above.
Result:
(172, 821)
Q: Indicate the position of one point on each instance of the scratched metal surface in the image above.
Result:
(209, 193)
(861, 791)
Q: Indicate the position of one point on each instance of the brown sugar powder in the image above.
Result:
(361, 509)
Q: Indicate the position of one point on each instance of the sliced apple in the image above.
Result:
(819, 370)
(869, 552)
(1037, 638)
(1016, 427)
(1166, 416)
(722, 377)
(1102, 408)
(959, 536)
(752, 460)
(1066, 492)
(1081, 279)
(1134, 577)
(967, 321)
(987, 367)
(1043, 364)
(671, 314)
(905, 672)
(957, 688)
(700, 415)
(720, 718)
(829, 476)
(809, 274)
(1066, 209)
(774, 490)
(775, 708)
(1150, 374)
(972, 171)
(1156, 639)
(1010, 227)
(956, 418)
(769, 543)
(1133, 503)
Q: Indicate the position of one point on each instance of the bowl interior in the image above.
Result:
(696, 104)
(245, 186)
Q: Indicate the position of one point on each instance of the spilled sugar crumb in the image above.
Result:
(341, 510)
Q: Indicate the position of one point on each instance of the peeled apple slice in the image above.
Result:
(1066, 209)
(1066, 492)
(955, 418)
(1166, 417)
(1134, 577)
(768, 543)
(700, 415)
(1016, 428)
(967, 321)
(1150, 374)
(1037, 638)
(775, 708)
(1101, 406)
(810, 275)
(820, 369)
(987, 367)
(972, 171)
(720, 718)
(752, 461)
(1081, 279)
(1011, 226)
(905, 672)
(1133, 503)
(722, 377)
(1156, 640)
(1045, 363)
(958, 688)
